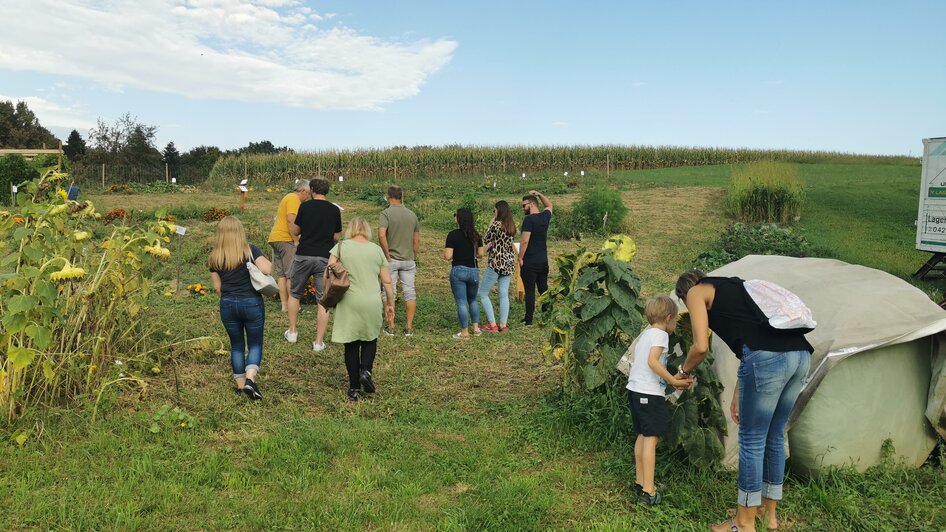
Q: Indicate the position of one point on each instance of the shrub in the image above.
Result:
(114, 214)
(119, 189)
(434, 213)
(159, 187)
(564, 226)
(214, 214)
(739, 240)
(14, 170)
(765, 192)
(482, 209)
(600, 211)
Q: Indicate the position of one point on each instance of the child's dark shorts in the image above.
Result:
(649, 413)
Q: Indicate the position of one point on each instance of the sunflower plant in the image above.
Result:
(72, 299)
(697, 421)
(592, 310)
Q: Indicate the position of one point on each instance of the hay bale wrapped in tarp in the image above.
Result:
(877, 372)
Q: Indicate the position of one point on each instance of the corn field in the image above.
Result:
(427, 161)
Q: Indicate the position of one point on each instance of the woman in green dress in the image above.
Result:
(358, 316)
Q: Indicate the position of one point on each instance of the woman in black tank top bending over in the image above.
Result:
(772, 371)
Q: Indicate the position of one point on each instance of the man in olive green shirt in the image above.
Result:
(399, 235)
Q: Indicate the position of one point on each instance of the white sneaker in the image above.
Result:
(318, 347)
(290, 337)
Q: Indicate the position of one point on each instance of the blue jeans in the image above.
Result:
(464, 282)
(239, 315)
(769, 384)
(489, 279)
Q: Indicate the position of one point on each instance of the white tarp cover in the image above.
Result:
(858, 310)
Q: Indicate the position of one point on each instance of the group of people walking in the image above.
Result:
(465, 246)
(306, 239)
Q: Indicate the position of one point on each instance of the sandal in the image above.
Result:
(728, 525)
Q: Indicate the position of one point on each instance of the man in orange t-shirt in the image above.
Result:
(283, 243)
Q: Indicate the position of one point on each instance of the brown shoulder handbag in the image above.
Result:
(335, 282)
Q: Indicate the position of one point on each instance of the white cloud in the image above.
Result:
(54, 115)
(247, 50)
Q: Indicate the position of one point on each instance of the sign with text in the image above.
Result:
(931, 217)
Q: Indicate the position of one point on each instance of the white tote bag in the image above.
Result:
(264, 284)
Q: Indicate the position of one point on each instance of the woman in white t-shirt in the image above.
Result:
(646, 384)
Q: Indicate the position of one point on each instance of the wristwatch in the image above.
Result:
(684, 373)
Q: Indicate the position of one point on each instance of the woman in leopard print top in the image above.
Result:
(501, 266)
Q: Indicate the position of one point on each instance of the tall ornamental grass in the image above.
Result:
(766, 191)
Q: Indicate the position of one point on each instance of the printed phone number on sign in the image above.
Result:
(935, 230)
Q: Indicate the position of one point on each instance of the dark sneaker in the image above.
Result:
(409, 332)
(650, 500)
(354, 394)
(388, 331)
(637, 489)
(251, 389)
(366, 383)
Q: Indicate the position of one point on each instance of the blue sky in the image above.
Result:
(865, 77)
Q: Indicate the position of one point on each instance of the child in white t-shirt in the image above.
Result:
(646, 383)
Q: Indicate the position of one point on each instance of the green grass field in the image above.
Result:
(459, 435)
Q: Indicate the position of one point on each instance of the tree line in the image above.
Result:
(126, 143)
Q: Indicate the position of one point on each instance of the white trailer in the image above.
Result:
(931, 215)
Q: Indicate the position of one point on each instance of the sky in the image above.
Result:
(850, 76)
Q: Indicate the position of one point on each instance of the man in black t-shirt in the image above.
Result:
(533, 251)
(318, 225)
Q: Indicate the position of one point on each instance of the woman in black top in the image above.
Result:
(464, 246)
(241, 306)
(773, 368)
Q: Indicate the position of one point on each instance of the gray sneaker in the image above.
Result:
(409, 332)
(650, 500)
(388, 331)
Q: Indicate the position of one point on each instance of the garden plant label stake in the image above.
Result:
(181, 230)
(243, 191)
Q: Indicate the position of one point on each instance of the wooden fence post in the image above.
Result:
(103, 175)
